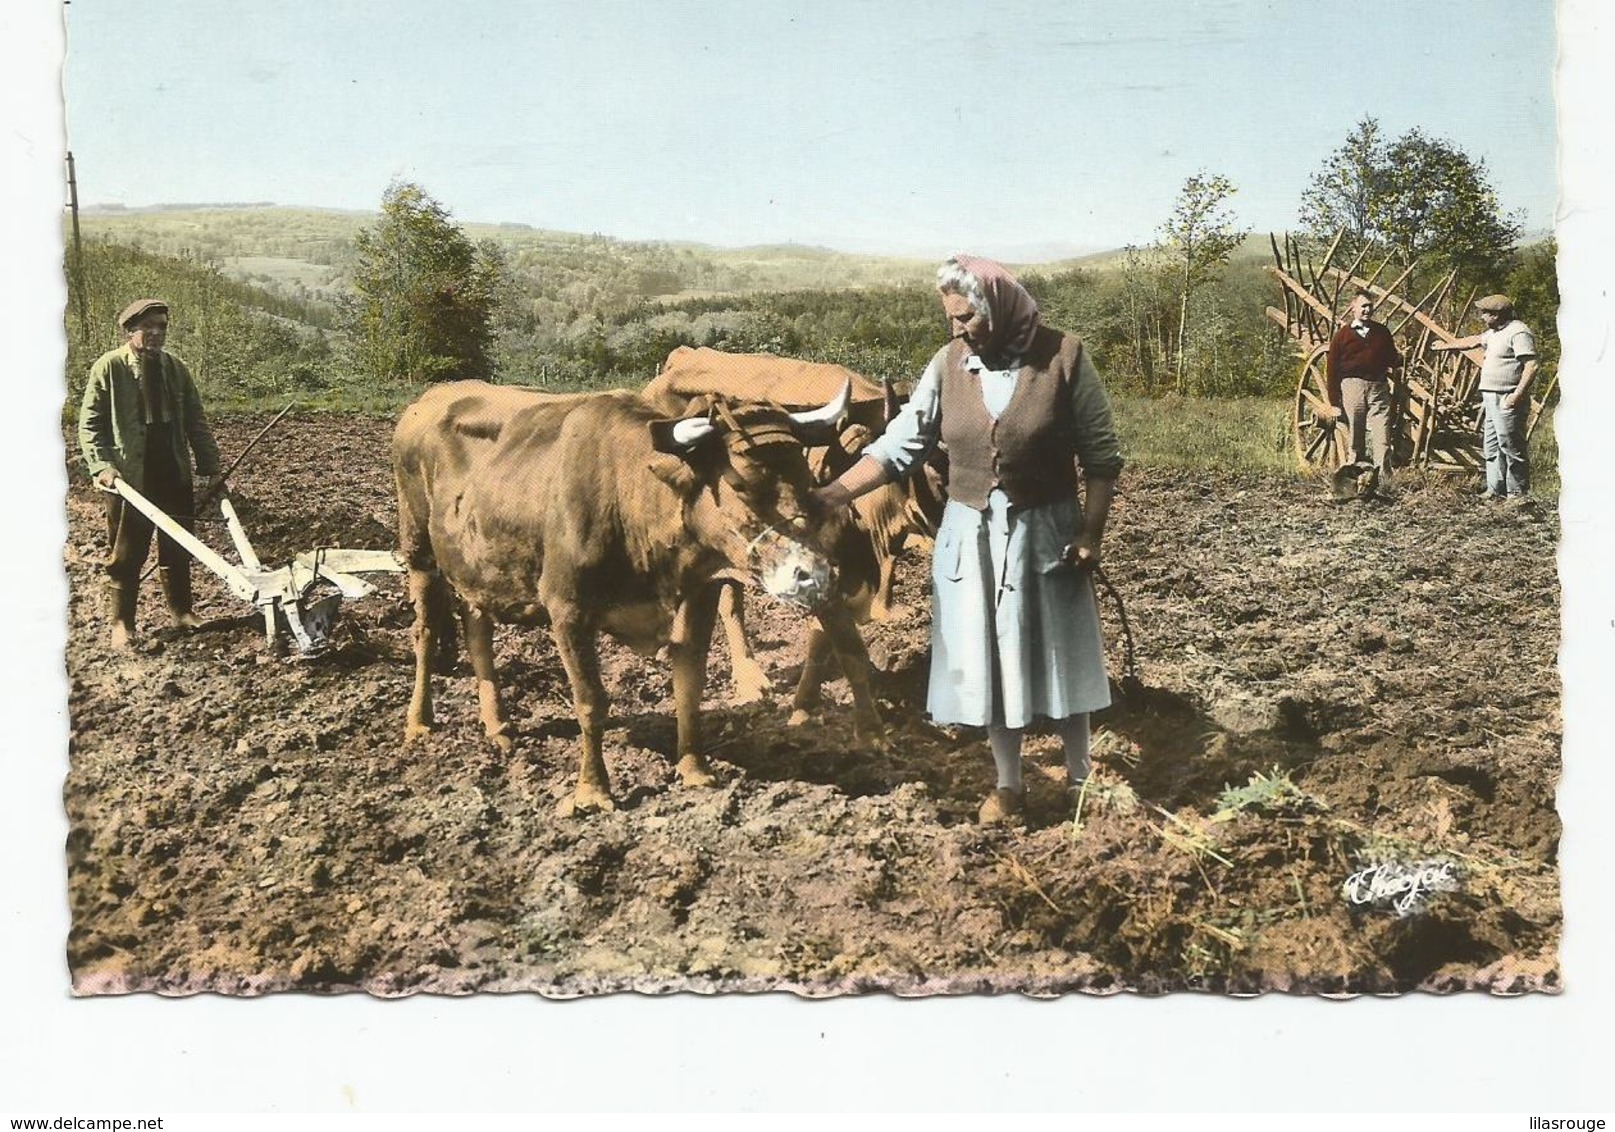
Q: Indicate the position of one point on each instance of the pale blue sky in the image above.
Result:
(889, 126)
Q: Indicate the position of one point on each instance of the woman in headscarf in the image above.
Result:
(1015, 632)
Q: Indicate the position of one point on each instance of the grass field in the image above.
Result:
(1253, 435)
(1247, 434)
(277, 272)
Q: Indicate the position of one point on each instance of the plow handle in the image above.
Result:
(221, 481)
(234, 578)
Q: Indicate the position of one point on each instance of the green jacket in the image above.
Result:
(112, 431)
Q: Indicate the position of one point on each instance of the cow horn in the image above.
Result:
(888, 396)
(691, 431)
(828, 414)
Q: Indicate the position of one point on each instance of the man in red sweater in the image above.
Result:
(1361, 358)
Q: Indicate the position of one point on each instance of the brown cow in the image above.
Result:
(882, 522)
(594, 513)
(691, 371)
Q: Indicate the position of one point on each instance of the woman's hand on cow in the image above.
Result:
(864, 476)
(831, 497)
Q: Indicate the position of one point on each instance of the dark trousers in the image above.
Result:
(129, 532)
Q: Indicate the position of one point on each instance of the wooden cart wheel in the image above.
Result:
(1320, 445)
(1542, 398)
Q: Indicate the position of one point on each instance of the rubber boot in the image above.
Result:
(177, 589)
(121, 599)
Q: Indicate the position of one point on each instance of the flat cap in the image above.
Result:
(138, 310)
(1494, 303)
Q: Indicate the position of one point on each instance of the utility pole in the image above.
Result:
(78, 249)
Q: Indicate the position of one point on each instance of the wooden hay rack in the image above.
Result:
(1435, 396)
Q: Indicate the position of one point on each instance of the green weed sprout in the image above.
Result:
(1272, 793)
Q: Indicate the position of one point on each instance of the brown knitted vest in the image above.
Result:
(1029, 451)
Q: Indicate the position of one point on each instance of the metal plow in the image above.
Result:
(1435, 396)
(299, 602)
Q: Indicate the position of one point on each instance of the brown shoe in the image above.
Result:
(1343, 484)
(1002, 805)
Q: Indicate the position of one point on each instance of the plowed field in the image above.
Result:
(1376, 682)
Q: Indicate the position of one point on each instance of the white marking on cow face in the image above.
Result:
(790, 571)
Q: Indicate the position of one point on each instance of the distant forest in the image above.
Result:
(260, 297)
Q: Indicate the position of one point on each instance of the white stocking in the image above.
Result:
(1006, 744)
(1074, 736)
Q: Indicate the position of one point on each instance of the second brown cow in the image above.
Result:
(882, 523)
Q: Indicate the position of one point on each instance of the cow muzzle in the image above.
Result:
(790, 571)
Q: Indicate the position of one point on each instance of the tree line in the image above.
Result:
(421, 300)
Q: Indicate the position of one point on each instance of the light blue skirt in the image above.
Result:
(1015, 632)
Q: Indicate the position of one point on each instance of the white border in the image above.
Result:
(285, 1054)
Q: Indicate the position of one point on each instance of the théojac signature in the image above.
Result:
(1405, 885)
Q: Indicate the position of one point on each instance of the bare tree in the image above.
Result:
(1201, 235)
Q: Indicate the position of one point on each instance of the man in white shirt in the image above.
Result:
(1506, 374)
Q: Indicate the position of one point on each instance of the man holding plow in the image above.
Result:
(141, 420)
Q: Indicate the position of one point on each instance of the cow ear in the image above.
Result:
(683, 460)
(845, 447)
(676, 473)
(836, 458)
(661, 435)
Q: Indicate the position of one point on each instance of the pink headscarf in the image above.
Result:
(1012, 311)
